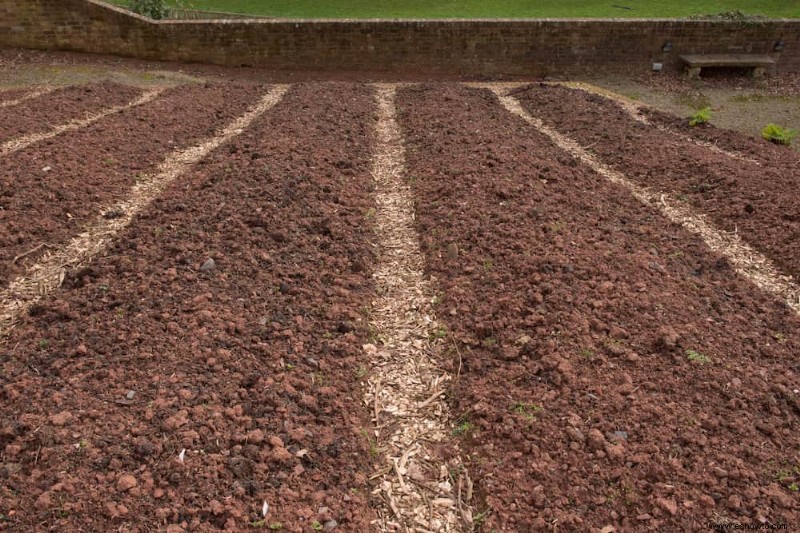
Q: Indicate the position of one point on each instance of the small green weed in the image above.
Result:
(697, 357)
(701, 116)
(44, 343)
(439, 333)
(316, 526)
(480, 518)
(527, 410)
(320, 379)
(463, 428)
(373, 444)
(276, 526)
(778, 134)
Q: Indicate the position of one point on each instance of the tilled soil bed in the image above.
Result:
(753, 200)
(42, 114)
(250, 363)
(10, 95)
(68, 179)
(776, 157)
(612, 371)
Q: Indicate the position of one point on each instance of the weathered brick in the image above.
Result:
(461, 47)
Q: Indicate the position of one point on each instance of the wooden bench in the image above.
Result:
(696, 62)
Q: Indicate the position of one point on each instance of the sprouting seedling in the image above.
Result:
(697, 357)
(528, 410)
(778, 134)
(701, 116)
(265, 509)
(182, 455)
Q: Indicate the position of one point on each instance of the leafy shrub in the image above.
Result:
(778, 134)
(701, 116)
(155, 9)
(740, 19)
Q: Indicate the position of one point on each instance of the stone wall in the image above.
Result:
(441, 47)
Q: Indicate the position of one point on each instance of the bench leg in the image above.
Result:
(758, 72)
(693, 72)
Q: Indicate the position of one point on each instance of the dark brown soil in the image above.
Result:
(773, 156)
(13, 59)
(39, 115)
(251, 366)
(93, 166)
(755, 201)
(613, 371)
(12, 94)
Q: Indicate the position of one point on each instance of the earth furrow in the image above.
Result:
(175, 392)
(48, 274)
(641, 113)
(39, 116)
(739, 197)
(781, 158)
(614, 371)
(52, 190)
(746, 261)
(14, 98)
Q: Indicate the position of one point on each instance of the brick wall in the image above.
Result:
(449, 47)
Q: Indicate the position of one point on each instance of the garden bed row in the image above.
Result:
(51, 190)
(752, 200)
(7, 95)
(205, 369)
(771, 155)
(611, 369)
(42, 114)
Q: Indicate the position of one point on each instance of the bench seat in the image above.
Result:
(696, 62)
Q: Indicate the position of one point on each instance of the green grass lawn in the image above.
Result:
(492, 8)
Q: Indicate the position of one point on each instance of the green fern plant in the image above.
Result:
(701, 116)
(778, 134)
